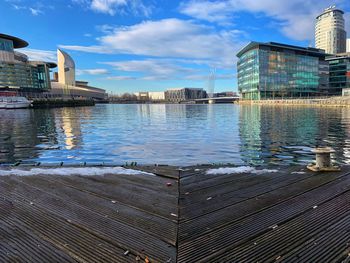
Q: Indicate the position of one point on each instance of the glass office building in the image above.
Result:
(17, 73)
(273, 70)
(339, 73)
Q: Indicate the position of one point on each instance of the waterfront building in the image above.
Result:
(143, 95)
(274, 70)
(150, 96)
(18, 73)
(330, 33)
(339, 74)
(178, 95)
(64, 85)
(66, 68)
(80, 91)
(156, 96)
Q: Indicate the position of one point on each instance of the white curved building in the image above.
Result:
(64, 85)
(330, 34)
(66, 68)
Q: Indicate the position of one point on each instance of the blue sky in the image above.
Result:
(151, 45)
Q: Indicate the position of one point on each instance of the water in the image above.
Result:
(173, 134)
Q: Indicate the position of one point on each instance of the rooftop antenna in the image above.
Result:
(211, 82)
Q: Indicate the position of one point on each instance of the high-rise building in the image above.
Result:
(330, 33)
(17, 72)
(348, 45)
(274, 70)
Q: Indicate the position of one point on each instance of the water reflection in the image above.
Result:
(173, 134)
(67, 121)
(285, 135)
(23, 132)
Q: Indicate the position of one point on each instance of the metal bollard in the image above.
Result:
(323, 160)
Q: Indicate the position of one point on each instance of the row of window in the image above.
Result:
(25, 76)
(6, 45)
(264, 69)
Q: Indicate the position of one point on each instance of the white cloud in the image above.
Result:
(296, 18)
(171, 49)
(121, 78)
(40, 55)
(97, 71)
(107, 6)
(217, 11)
(161, 69)
(154, 67)
(170, 38)
(36, 8)
(35, 11)
(106, 29)
(206, 77)
(18, 7)
(113, 7)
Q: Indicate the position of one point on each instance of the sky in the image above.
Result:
(152, 45)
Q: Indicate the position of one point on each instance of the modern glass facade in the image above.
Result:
(339, 73)
(24, 76)
(17, 72)
(272, 70)
(6, 45)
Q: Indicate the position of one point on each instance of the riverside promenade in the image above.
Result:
(172, 214)
(318, 102)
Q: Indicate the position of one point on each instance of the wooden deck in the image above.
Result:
(289, 216)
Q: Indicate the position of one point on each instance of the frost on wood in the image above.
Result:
(86, 171)
(239, 170)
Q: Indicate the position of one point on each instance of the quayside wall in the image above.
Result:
(321, 102)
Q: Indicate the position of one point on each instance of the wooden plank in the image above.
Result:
(154, 200)
(223, 239)
(81, 245)
(160, 227)
(193, 228)
(270, 217)
(233, 192)
(273, 245)
(331, 245)
(115, 232)
(17, 244)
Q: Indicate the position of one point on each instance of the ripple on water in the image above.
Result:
(174, 134)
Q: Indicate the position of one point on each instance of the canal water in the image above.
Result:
(173, 134)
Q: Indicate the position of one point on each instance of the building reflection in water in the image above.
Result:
(286, 135)
(24, 133)
(69, 121)
(174, 134)
(185, 133)
(250, 133)
(345, 123)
